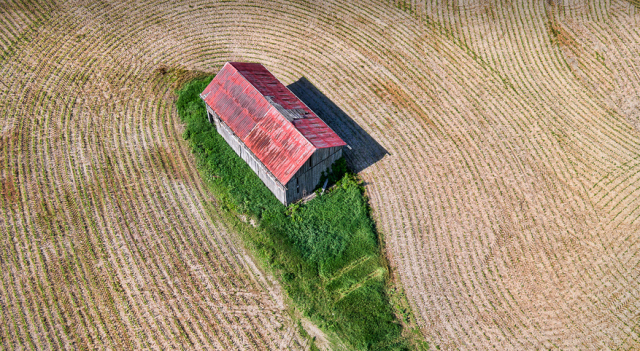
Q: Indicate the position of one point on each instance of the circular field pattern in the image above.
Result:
(499, 142)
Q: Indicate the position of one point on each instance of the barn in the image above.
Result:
(283, 141)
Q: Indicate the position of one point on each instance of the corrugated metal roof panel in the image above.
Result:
(244, 96)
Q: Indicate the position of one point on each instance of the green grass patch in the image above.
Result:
(326, 252)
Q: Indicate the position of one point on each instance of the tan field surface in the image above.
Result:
(508, 197)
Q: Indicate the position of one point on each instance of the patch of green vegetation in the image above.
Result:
(325, 252)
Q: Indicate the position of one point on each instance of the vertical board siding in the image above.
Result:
(258, 168)
(309, 175)
(303, 183)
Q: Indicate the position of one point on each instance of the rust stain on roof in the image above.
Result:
(268, 118)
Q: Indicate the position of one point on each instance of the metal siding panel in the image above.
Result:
(311, 127)
(317, 132)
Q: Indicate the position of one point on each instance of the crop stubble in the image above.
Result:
(110, 238)
(508, 199)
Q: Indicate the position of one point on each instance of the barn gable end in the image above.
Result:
(285, 143)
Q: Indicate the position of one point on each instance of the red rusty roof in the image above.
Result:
(253, 103)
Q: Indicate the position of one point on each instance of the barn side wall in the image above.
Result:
(243, 151)
(305, 181)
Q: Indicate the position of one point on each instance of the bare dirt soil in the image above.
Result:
(507, 192)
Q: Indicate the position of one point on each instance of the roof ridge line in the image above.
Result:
(312, 111)
(272, 106)
(232, 97)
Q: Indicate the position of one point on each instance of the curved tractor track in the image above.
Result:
(508, 196)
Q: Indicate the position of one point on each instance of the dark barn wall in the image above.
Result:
(305, 181)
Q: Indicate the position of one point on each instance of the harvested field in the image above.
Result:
(499, 141)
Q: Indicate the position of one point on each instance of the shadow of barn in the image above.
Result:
(362, 150)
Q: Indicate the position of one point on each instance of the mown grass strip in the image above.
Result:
(316, 249)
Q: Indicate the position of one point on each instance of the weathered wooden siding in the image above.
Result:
(305, 181)
(236, 144)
